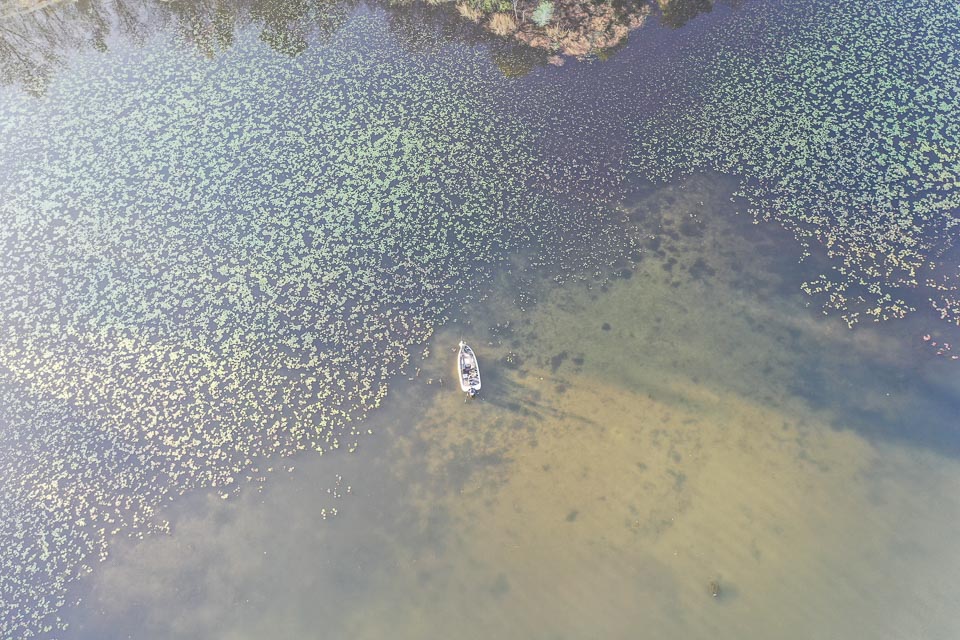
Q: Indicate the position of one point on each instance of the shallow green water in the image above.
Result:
(236, 240)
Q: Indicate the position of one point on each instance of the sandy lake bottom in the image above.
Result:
(689, 428)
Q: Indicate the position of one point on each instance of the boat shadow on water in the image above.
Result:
(507, 392)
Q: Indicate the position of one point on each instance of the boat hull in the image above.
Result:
(468, 369)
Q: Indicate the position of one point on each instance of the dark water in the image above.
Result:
(237, 238)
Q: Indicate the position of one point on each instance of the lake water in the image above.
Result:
(234, 241)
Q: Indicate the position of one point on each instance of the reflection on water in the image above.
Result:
(39, 39)
(677, 13)
(640, 445)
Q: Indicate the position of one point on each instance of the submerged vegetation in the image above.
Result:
(844, 127)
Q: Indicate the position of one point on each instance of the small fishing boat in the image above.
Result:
(469, 369)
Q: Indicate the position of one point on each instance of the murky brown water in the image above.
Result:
(691, 427)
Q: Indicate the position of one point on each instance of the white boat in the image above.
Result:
(469, 369)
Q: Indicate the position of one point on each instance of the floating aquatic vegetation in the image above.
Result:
(843, 123)
(209, 262)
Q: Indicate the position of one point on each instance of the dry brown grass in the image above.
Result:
(470, 13)
(502, 24)
(556, 33)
